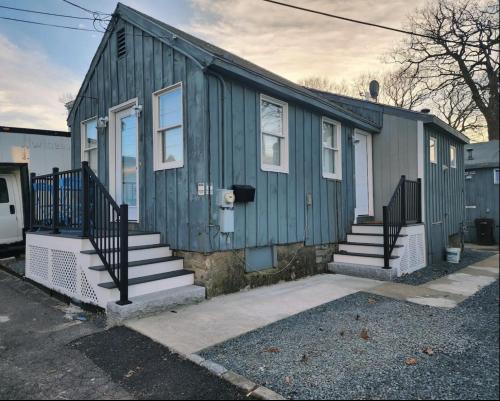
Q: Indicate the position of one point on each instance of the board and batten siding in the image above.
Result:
(279, 214)
(444, 193)
(394, 154)
(482, 193)
(168, 200)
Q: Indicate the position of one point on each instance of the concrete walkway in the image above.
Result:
(190, 329)
(196, 327)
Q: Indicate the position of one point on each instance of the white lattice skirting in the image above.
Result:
(414, 256)
(55, 263)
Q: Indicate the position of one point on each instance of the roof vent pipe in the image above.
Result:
(425, 111)
(470, 154)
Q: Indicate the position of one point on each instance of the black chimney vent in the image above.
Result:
(425, 111)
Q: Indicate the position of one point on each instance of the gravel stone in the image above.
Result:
(323, 354)
(438, 270)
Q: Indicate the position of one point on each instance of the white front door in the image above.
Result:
(124, 163)
(363, 173)
(11, 214)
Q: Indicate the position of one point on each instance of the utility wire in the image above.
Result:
(84, 9)
(47, 13)
(45, 24)
(388, 28)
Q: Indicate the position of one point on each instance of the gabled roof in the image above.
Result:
(210, 57)
(367, 105)
(484, 154)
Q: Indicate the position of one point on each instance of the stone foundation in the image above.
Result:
(224, 272)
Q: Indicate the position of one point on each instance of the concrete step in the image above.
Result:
(367, 229)
(365, 271)
(135, 253)
(371, 238)
(364, 259)
(150, 284)
(142, 268)
(156, 302)
(367, 248)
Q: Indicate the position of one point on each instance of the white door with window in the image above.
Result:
(363, 173)
(11, 213)
(124, 160)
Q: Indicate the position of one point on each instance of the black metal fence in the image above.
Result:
(405, 207)
(76, 201)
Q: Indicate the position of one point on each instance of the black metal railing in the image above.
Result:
(76, 201)
(405, 207)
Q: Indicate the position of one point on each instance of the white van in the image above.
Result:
(24, 151)
(11, 209)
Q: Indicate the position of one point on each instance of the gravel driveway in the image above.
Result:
(361, 347)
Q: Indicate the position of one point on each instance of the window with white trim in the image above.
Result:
(453, 156)
(433, 150)
(168, 126)
(90, 152)
(274, 134)
(496, 176)
(331, 155)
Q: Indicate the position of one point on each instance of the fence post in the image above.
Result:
(55, 200)
(32, 201)
(85, 200)
(123, 256)
(403, 200)
(419, 199)
(385, 217)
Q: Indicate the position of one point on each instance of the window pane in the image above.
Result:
(91, 134)
(497, 176)
(329, 137)
(173, 145)
(271, 152)
(4, 193)
(92, 159)
(328, 161)
(432, 150)
(170, 108)
(129, 160)
(271, 118)
(453, 156)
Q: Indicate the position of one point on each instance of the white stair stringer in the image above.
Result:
(362, 254)
(70, 266)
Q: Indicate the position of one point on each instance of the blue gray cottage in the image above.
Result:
(482, 187)
(252, 179)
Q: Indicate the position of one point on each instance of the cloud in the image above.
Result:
(297, 44)
(30, 88)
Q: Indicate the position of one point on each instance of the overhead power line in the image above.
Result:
(387, 28)
(45, 24)
(47, 13)
(84, 9)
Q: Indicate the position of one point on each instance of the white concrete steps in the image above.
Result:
(152, 271)
(362, 254)
(143, 268)
(135, 253)
(151, 284)
(367, 248)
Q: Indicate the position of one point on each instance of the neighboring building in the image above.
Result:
(24, 151)
(482, 183)
(418, 145)
(172, 125)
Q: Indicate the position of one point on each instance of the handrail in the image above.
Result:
(405, 206)
(77, 201)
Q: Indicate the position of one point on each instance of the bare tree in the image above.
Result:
(403, 88)
(456, 45)
(67, 99)
(326, 85)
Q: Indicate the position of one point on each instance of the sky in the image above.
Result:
(39, 65)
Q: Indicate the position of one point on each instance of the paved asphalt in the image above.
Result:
(361, 347)
(50, 351)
